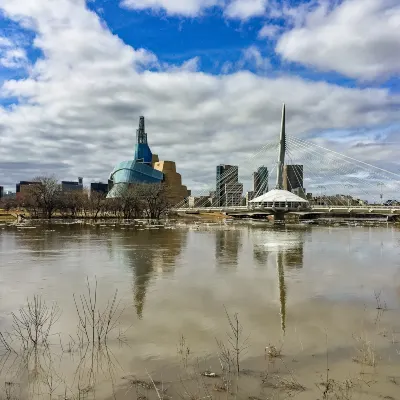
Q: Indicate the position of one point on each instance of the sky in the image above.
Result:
(210, 76)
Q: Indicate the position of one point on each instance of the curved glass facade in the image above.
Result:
(128, 172)
(138, 170)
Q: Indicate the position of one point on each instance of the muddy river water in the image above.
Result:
(318, 311)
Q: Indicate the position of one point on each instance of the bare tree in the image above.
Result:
(154, 198)
(130, 202)
(8, 203)
(46, 193)
(96, 203)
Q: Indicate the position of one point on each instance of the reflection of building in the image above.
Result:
(292, 177)
(146, 168)
(227, 245)
(228, 189)
(260, 181)
(147, 252)
(99, 187)
(68, 186)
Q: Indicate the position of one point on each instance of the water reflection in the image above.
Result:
(146, 253)
(287, 247)
(227, 247)
(282, 289)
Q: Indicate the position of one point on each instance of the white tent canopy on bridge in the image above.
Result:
(278, 198)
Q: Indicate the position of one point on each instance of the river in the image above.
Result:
(316, 304)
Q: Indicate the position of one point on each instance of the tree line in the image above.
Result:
(46, 199)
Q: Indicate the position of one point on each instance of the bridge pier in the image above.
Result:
(279, 218)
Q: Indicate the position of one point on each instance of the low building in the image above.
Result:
(22, 188)
(99, 187)
(198, 201)
(9, 195)
(280, 200)
(67, 186)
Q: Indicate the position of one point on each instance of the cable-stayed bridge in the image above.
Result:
(332, 183)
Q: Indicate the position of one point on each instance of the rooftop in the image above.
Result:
(278, 195)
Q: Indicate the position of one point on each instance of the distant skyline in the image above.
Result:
(210, 76)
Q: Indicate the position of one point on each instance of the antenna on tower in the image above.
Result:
(141, 135)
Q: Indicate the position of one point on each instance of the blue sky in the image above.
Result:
(75, 75)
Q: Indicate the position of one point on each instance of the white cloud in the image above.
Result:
(189, 8)
(252, 57)
(80, 104)
(11, 55)
(191, 65)
(244, 9)
(268, 31)
(358, 38)
(237, 9)
(13, 58)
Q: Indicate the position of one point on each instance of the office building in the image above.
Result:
(260, 181)
(22, 188)
(292, 177)
(99, 187)
(228, 189)
(67, 186)
(1, 192)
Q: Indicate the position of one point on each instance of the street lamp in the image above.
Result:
(381, 184)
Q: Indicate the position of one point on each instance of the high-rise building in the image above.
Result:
(1, 191)
(260, 181)
(228, 188)
(292, 177)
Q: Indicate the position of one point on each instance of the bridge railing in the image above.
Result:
(315, 206)
(382, 207)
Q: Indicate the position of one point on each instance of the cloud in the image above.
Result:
(268, 31)
(188, 8)
(11, 55)
(78, 107)
(252, 57)
(244, 9)
(236, 9)
(357, 38)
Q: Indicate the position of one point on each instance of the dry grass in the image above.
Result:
(366, 354)
(273, 351)
(276, 381)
